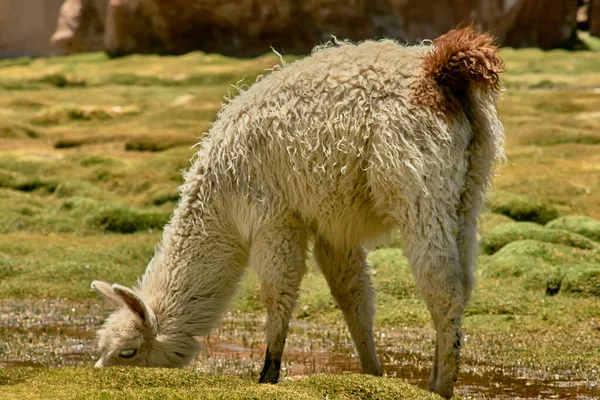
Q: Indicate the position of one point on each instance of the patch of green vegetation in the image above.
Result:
(18, 131)
(547, 84)
(94, 160)
(165, 196)
(559, 106)
(60, 80)
(26, 183)
(66, 113)
(198, 79)
(13, 62)
(507, 233)
(125, 219)
(7, 267)
(582, 225)
(521, 208)
(585, 280)
(525, 67)
(489, 221)
(550, 267)
(69, 263)
(392, 274)
(154, 143)
(78, 141)
(137, 383)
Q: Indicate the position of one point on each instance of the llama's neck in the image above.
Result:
(194, 273)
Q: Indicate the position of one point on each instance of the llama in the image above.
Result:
(337, 148)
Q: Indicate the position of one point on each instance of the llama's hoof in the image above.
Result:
(270, 376)
(270, 371)
(445, 391)
(376, 371)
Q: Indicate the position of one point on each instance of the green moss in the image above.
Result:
(17, 130)
(507, 233)
(585, 280)
(69, 263)
(585, 226)
(196, 79)
(165, 196)
(158, 142)
(82, 140)
(547, 267)
(12, 62)
(559, 106)
(392, 274)
(521, 208)
(66, 113)
(26, 183)
(60, 80)
(137, 383)
(124, 219)
(489, 221)
(94, 160)
(7, 267)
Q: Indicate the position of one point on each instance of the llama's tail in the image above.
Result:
(460, 75)
(460, 61)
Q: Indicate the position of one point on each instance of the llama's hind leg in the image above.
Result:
(431, 247)
(346, 273)
(279, 256)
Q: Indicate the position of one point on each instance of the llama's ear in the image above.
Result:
(107, 292)
(136, 305)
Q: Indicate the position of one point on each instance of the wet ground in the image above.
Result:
(54, 333)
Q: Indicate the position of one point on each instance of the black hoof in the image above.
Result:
(270, 371)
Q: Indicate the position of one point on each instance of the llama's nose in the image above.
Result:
(99, 363)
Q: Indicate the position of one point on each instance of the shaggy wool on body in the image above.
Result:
(338, 148)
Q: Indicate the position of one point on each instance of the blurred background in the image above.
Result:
(244, 28)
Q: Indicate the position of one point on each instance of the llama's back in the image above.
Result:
(313, 137)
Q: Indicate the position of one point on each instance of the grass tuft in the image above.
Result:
(67, 113)
(521, 208)
(83, 140)
(582, 225)
(507, 233)
(154, 143)
(124, 219)
(61, 81)
(547, 267)
(26, 183)
(18, 131)
(165, 196)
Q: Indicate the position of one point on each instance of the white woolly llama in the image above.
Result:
(339, 147)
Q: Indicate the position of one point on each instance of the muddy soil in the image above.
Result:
(55, 333)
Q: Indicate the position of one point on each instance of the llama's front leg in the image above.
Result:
(433, 255)
(279, 255)
(346, 274)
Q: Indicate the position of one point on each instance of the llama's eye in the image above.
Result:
(127, 353)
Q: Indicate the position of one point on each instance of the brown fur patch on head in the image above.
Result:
(461, 58)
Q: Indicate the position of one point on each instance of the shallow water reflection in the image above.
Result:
(58, 333)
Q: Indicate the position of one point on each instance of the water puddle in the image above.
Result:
(55, 333)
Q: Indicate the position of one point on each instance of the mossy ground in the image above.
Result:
(92, 152)
(135, 383)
